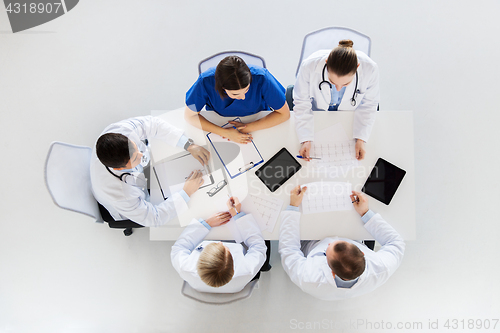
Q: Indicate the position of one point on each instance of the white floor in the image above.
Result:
(108, 60)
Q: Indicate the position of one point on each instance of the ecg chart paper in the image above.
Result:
(334, 154)
(327, 197)
(334, 149)
(265, 210)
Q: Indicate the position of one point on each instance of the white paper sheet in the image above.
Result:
(327, 197)
(172, 174)
(265, 210)
(334, 149)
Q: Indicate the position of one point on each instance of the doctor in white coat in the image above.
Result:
(117, 171)
(340, 79)
(215, 267)
(338, 268)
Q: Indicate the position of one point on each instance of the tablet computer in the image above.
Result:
(281, 167)
(383, 181)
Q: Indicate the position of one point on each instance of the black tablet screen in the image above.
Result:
(278, 169)
(383, 181)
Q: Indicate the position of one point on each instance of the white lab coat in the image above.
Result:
(187, 250)
(125, 201)
(312, 273)
(307, 96)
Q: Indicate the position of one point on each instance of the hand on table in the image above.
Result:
(200, 153)
(218, 219)
(360, 149)
(234, 206)
(360, 202)
(243, 128)
(305, 150)
(193, 182)
(235, 135)
(296, 195)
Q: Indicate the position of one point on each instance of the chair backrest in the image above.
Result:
(67, 176)
(328, 39)
(211, 298)
(214, 60)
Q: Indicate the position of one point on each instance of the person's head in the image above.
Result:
(215, 265)
(342, 64)
(232, 78)
(117, 151)
(345, 260)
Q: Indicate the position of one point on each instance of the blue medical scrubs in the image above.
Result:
(265, 93)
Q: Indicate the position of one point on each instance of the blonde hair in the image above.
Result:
(343, 60)
(215, 265)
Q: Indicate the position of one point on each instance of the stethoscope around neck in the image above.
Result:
(353, 100)
(134, 181)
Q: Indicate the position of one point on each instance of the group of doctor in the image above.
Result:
(334, 268)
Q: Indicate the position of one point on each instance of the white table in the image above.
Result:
(391, 139)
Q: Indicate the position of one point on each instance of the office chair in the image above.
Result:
(214, 60)
(221, 298)
(328, 39)
(67, 177)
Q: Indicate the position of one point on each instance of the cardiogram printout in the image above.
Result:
(334, 149)
(327, 197)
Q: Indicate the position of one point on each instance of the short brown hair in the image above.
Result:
(231, 74)
(215, 265)
(343, 60)
(349, 262)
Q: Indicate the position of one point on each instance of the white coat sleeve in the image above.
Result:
(253, 239)
(393, 245)
(364, 115)
(147, 127)
(192, 235)
(302, 110)
(292, 258)
(135, 207)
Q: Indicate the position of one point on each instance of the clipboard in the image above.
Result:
(237, 158)
(172, 174)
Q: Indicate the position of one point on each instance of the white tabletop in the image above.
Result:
(391, 139)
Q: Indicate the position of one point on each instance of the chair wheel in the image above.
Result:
(128, 231)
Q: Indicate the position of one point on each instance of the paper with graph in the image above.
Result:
(334, 149)
(264, 209)
(327, 197)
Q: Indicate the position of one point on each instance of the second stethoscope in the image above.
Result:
(353, 100)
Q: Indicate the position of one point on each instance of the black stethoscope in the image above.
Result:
(353, 101)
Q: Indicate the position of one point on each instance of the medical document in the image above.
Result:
(327, 197)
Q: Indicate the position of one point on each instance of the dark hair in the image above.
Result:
(343, 60)
(112, 149)
(231, 74)
(349, 262)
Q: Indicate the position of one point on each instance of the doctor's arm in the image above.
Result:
(292, 258)
(393, 245)
(304, 119)
(253, 239)
(195, 119)
(365, 114)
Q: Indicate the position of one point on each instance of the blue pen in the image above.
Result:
(314, 158)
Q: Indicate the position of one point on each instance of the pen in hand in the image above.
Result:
(356, 200)
(232, 202)
(315, 158)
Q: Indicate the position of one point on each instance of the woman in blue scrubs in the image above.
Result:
(233, 89)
